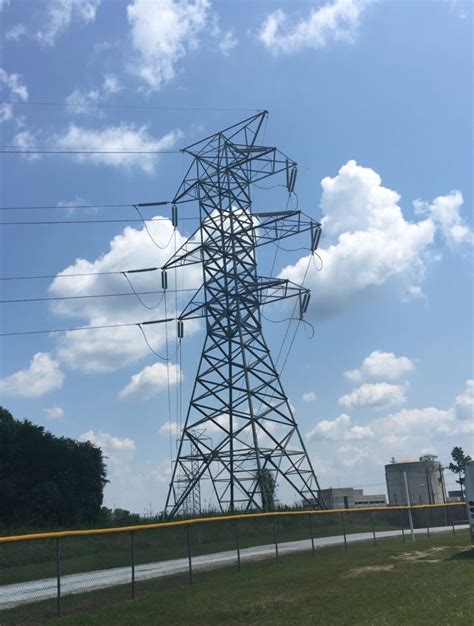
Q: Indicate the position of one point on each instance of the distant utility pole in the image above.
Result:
(237, 394)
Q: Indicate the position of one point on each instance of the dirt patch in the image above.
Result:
(369, 569)
(438, 548)
(410, 556)
(421, 555)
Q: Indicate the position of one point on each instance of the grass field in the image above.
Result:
(394, 583)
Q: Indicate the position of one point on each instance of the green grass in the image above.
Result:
(391, 584)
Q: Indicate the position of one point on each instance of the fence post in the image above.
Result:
(275, 537)
(344, 530)
(427, 523)
(188, 538)
(311, 531)
(452, 521)
(132, 554)
(373, 528)
(401, 526)
(237, 544)
(58, 574)
(410, 517)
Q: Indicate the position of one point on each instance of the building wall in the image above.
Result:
(425, 482)
(349, 498)
(364, 501)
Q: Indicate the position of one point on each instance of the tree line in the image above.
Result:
(47, 480)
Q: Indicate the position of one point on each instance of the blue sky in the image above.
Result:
(374, 101)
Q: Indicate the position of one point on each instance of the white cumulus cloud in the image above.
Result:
(370, 244)
(405, 434)
(464, 404)
(116, 449)
(16, 90)
(41, 376)
(335, 21)
(152, 380)
(374, 395)
(445, 212)
(352, 455)
(125, 137)
(340, 429)
(82, 101)
(56, 17)
(228, 42)
(380, 364)
(54, 412)
(310, 396)
(109, 349)
(124, 146)
(163, 32)
(169, 428)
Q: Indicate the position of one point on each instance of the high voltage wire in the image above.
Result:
(49, 150)
(64, 207)
(46, 276)
(130, 205)
(129, 106)
(100, 295)
(68, 330)
(118, 221)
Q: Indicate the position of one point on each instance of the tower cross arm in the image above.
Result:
(268, 227)
(272, 226)
(265, 291)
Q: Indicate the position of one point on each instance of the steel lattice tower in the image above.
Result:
(237, 392)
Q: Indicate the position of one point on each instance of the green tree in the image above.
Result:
(267, 485)
(458, 466)
(47, 480)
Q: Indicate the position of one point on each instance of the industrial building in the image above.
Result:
(423, 479)
(455, 495)
(349, 498)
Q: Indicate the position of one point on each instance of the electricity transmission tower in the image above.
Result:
(237, 394)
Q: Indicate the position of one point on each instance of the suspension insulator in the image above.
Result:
(180, 329)
(164, 280)
(304, 302)
(315, 237)
(292, 181)
(174, 215)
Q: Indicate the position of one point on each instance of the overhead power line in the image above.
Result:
(142, 205)
(128, 106)
(52, 150)
(77, 328)
(65, 207)
(99, 295)
(46, 276)
(111, 221)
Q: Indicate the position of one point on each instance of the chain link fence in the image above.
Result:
(59, 573)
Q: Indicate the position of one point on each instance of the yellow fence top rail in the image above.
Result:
(221, 518)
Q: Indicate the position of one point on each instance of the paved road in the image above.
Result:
(36, 590)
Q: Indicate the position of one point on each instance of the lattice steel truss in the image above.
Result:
(237, 394)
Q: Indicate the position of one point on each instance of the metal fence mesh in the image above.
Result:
(46, 576)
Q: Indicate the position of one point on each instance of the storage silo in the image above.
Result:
(424, 478)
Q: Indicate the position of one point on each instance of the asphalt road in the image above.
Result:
(37, 590)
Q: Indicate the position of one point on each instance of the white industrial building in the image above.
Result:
(424, 481)
(350, 498)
